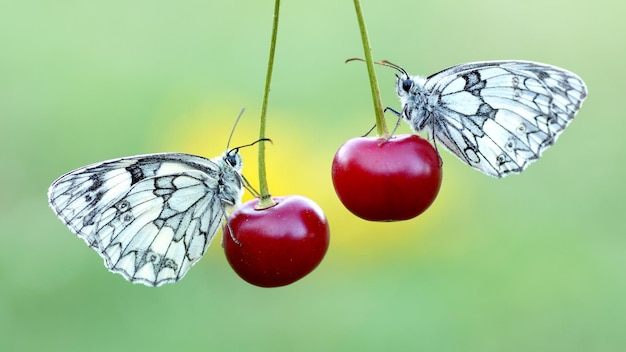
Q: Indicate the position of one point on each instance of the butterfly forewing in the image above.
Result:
(151, 217)
(497, 116)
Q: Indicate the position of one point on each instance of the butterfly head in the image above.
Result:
(404, 85)
(232, 157)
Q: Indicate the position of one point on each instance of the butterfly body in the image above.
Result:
(151, 217)
(496, 116)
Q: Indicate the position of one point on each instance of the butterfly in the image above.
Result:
(151, 217)
(495, 116)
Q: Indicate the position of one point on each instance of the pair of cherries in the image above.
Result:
(376, 179)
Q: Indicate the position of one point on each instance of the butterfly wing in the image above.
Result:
(499, 116)
(150, 217)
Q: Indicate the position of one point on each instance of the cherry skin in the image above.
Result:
(390, 180)
(278, 245)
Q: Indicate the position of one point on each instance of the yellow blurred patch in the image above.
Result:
(299, 162)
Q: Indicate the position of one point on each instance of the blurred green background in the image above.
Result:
(535, 262)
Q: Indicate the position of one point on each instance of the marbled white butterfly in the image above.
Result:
(498, 116)
(151, 217)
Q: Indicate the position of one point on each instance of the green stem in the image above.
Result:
(381, 126)
(265, 197)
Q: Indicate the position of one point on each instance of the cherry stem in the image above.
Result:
(265, 199)
(381, 126)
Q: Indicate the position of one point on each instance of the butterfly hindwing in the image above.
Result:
(150, 217)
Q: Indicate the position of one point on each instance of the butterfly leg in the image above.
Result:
(395, 112)
(249, 188)
(369, 131)
(435, 143)
(399, 115)
(230, 229)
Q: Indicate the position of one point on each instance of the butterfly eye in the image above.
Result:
(407, 84)
(231, 159)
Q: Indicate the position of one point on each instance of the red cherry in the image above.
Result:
(278, 245)
(389, 180)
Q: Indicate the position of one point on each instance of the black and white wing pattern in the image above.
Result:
(497, 116)
(151, 217)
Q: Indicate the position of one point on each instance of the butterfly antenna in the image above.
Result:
(253, 143)
(381, 63)
(392, 65)
(353, 59)
(234, 126)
